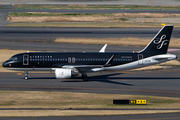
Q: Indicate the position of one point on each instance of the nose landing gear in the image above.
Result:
(26, 75)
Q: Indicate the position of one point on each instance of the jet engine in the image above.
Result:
(65, 73)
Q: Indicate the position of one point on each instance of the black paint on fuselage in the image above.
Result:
(57, 60)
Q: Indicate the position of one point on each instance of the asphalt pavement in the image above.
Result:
(167, 116)
(94, 2)
(157, 83)
(30, 34)
(64, 47)
(6, 10)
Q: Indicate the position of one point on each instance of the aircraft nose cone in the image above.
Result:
(4, 64)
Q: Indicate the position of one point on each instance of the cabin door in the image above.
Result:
(140, 59)
(25, 59)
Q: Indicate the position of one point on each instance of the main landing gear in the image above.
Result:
(84, 77)
(26, 75)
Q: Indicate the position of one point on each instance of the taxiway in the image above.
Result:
(30, 34)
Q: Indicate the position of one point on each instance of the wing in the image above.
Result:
(85, 68)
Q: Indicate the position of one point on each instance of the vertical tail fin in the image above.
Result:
(159, 44)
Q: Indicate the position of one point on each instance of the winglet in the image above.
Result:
(103, 49)
(163, 24)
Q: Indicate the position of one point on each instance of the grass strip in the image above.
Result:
(98, 7)
(44, 19)
(75, 100)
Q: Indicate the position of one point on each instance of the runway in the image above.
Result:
(64, 47)
(157, 83)
(31, 34)
(167, 116)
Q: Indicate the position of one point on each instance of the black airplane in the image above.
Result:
(69, 64)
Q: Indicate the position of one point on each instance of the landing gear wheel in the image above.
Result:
(84, 77)
(26, 75)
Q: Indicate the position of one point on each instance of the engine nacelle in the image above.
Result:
(65, 73)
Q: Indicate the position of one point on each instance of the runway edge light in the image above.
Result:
(130, 102)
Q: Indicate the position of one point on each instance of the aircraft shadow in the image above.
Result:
(145, 78)
(106, 79)
(100, 78)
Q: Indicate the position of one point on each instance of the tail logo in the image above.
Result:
(161, 41)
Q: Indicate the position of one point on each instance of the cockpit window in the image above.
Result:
(13, 59)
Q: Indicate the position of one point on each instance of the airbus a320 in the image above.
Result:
(70, 64)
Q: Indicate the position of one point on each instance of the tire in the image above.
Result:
(85, 78)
